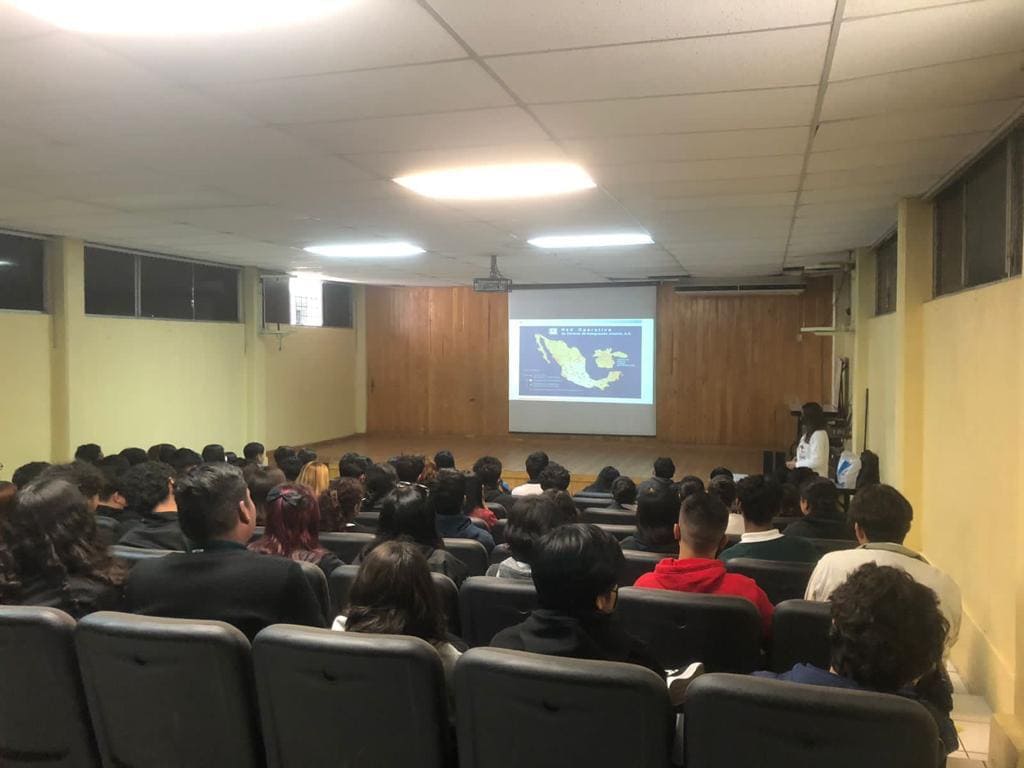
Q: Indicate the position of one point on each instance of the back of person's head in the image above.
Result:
(316, 476)
(624, 490)
(292, 522)
(8, 491)
(657, 508)
(213, 453)
(801, 475)
(394, 594)
(134, 455)
(209, 501)
(723, 471)
(306, 455)
(690, 484)
(724, 488)
(448, 492)
(869, 470)
(474, 494)
(444, 460)
(259, 481)
(144, 486)
(882, 513)
(26, 473)
(340, 503)
(292, 467)
(253, 451)
(83, 475)
(554, 476)
(488, 469)
(183, 459)
(161, 452)
(790, 504)
(528, 520)
(760, 498)
(822, 498)
(813, 418)
(112, 467)
(352, 465)
(90, 453)
(380, 481)
(563, 501)
(703, 519)
(605, 478)
(407, 513)
(408, 467)
(887, 629)
(535, 464)
(664, 468)
(282, 452)
(573, 566)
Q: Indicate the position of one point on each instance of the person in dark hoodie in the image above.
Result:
(657, 508)
(822, 517)
(700, 532)
(447, 494)
(148, 491)
(575, 572)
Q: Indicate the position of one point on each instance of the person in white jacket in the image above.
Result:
(812, 450)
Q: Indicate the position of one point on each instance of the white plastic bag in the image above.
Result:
(847, 470)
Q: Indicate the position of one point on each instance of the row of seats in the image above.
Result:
(122, 690)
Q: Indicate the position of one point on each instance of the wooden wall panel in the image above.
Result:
(726, 366)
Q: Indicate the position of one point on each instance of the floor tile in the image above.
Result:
(973, 738)
(961, 762)
(971, 709)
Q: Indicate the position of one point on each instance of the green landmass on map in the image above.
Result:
(573, 364)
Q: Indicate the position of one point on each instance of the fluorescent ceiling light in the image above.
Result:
(168, 18)
(555, 242)
(380, 250)
(499, 182)
(4, 263)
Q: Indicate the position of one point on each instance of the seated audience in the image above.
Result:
(305, 456)
(790, 506)
(134, 456)
(221, 580)
(801, 475)
(183, 459)
(214, 453)
(90, 453)
(563, 502)
(448, 495)
(535, 464)
(474, 506)
(353, 465)
(394, 594)
(83, 475)
(148, 491)
(26, 473)
(255, 453)
(408, 467)
(724, 489)
(657, 510)
(8, 491)
(664, 470)
(340, 504)
(529, 519)
(624, 494)
(282, 452)
(689, 484)
(293, 528)
(822, 516)
(701, 535)
(881, 519)
(259, 481)
(887, 635)
(603, 484)
(407, 514)
(759, 499)
(721, 472)
(380, 481)
(488, 469)
(111, 501)
(161, 452)
(444, 460)
(316, 476)
(292, 467)
(429, 472)
(575, 571)
(554, 477)
(51, 554)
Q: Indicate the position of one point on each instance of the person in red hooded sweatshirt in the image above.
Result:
(701, 536)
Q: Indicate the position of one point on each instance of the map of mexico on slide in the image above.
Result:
(598, 361)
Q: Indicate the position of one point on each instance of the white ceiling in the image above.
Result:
(695, 118)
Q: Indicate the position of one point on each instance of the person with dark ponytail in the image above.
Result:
(812, 450)
(51, 553)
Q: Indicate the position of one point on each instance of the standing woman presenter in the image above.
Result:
(812, 450)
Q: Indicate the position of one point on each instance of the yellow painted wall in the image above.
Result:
(882, 356)
(24, 390)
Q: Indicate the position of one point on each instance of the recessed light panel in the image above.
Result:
(499, 182)
(373, 250)
(556, 242)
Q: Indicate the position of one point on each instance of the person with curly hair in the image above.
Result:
(340, 504)
(888, 635)
(52, 555)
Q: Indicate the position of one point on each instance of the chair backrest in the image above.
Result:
(782, 523)
(347, 546)
(129, 556)
(600, 515)
(786, 725)
(779, 580)
(325, 699)
(488, 605)
(472, 553)
(620, 532)
(317, 581)
(340, 584)
(369, 519)
(44, 720)
(824, 546)
(498, 531)
(106, 530)
(520, 709)
(800, 634)
(637, 564)
(585, 501)
(722, 631)
(506, 501)
(169, 692)
(499, 553)
(498, 509)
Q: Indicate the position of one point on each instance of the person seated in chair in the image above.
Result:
(221, 579)
(759, 499)
(602, 485)
(380, 481)
(488, 469)
(822, 517)
(148, 491)
(339, 506)
(293, 528)
(888, 635)
(657, 509)
(725, 489)
(700, 532)
(529, 519)
(664, 470)
(623, 494)
(535, 464)
(554, 477)
(448, 496)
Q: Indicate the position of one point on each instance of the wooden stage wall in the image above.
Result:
(726, 366)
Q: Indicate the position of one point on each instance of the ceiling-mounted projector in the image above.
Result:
(495, 283)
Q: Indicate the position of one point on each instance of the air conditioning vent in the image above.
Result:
(708, 286)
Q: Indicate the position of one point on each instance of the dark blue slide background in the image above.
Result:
(538, 378)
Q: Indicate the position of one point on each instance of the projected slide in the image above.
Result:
(585, 360)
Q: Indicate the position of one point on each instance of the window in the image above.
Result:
(985, 218)
(949, 240)
(337, 303)
(216, 292)
(109, 282)
(21, 273)
(306, 301)
(885, 277)
(165, 288)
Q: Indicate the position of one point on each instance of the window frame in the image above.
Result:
(892, 273)
(44, 276)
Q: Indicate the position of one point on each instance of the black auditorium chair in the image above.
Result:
(499, 510)
(499, 553)
(787, 725)
(340, 583)
(488, 605)
(518, 709)
(169, 692)
(107, 529)
(129, 556)
(800, 634)
(608, 516)
(472, 553)
(498, 531)
(595, 500)
(44, 720)
(347, 546)
(824, 546)
(334, 698)
(637, 564)
(722, 631)
(317, 581)
(782, 523)
(780, 580)
(369, 519)
(620, 532)
(506, 501)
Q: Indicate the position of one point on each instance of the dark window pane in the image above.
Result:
(1016, 200)
(166, 289)
(949, 213)
(109, 282)
(337, 305)
(21, 273)
(216, 292)
(276, 300)
(885, 277)
(985, 218)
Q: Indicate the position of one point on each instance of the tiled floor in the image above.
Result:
(973, 718)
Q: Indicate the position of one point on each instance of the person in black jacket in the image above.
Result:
(150, 520)
(221, 579)
(822, 517)
(657, 512)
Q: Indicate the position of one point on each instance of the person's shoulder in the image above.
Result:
(510, 638)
